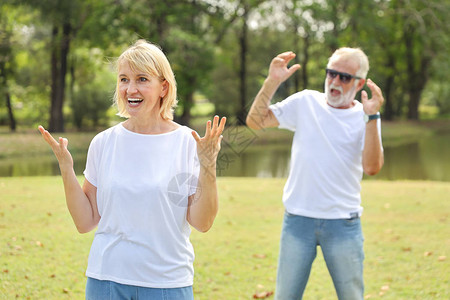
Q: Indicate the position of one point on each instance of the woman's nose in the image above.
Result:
(132, 88)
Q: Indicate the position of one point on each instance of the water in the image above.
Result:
(428, 159)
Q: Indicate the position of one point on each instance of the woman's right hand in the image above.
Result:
(59, 148)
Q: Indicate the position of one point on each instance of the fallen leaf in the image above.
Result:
(442, 258)
(259, 256)
(5, 271)
(385, 288)
(39, 244)
(427, 253)
(406, 249)
(65, 291)
(262, 295)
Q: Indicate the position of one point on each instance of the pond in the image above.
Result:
(428, 159)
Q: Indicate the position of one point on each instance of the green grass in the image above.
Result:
(406, 228)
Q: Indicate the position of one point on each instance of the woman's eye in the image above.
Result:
(142, 79)
(123, 80)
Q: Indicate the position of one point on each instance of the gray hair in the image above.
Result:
(355, 54)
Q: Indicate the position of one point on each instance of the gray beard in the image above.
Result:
(343, 100)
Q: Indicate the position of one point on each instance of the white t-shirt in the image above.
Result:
(326, 156)
(143, 183)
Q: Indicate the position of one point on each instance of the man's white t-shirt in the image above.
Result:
(143, 183)
(326, 156)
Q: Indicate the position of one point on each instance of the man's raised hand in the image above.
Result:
(278, 70)
(373, 105)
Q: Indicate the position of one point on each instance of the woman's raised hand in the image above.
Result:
(59, 147)
(208, 147)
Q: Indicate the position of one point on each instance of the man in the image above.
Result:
(336, 139)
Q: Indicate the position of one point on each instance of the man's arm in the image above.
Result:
(373, 157)
(260, 116)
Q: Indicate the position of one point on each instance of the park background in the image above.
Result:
(56, 69)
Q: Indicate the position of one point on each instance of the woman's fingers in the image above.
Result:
(63, 143)
(213, 130)
(214, 125)
(221, 125)
(208, 128)
(196, 136)
(48, 137)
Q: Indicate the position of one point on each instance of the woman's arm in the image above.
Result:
(204, 204)
(81, 201)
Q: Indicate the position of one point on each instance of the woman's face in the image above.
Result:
(141, 92)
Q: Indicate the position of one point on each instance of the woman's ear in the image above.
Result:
(165, 88)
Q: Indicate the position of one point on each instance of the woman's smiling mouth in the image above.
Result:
(134, 101)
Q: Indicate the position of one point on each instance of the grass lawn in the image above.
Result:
(406, 227)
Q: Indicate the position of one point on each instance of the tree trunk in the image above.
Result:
(417, 77)
(241, 114)
(295, 27)
(185, 117)
(4, 83)
(59, 52)
(12, 120)
(306, 43)
(333, 39)
(413, 105)
(388, 106)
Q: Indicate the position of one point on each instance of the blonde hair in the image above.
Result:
(354, 54)
(148, 58)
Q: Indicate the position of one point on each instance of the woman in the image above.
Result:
(146, 180)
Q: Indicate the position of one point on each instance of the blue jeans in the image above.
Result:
(109, 290)
(341, 241)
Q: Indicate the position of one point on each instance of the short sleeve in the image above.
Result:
(286, 112)
(92, 161)
(194, 168)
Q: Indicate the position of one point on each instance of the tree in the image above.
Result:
(65, 18)
(424, 25)
(6, 61)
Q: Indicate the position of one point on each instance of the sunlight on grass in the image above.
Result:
(406, 227)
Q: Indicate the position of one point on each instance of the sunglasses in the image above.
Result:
(343, 77)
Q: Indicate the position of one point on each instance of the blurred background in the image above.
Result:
(56, 69)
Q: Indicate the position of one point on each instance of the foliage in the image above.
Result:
(406, 41)
(92, 89)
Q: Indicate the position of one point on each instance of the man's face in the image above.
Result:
(341, 94)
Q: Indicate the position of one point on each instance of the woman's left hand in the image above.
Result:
(208, 147)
